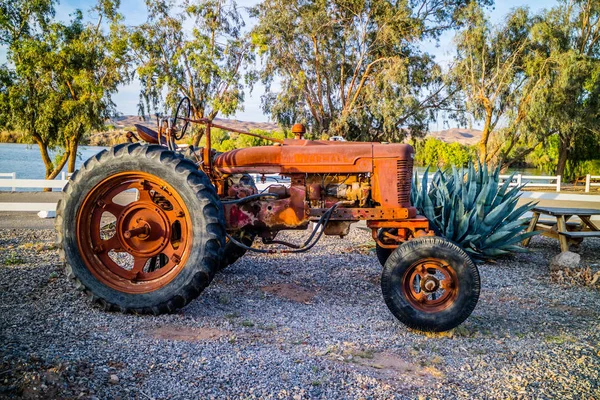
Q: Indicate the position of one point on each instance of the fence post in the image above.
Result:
(63, 176)
(519, 179)
(587, 183)
(558, 183)
(14, 176)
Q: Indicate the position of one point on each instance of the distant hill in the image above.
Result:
(462, 136)
(116, 133)
(127, 121)
(118, 127)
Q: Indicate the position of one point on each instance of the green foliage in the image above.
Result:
(546, 158)
(353, 68)
(490, 72)
(568, 105)
(205, 64)
(13, 259)
(60, 77)
(473, 210)
(432, 151)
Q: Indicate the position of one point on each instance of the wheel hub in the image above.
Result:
(144, 229)
(430, 284)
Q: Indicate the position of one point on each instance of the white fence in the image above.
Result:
(588, 181)
(15, 183)
(530, 180)
(534, 181)
(11, 175)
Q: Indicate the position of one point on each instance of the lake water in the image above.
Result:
(26, 160)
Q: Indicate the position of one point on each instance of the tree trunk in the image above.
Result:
(72, 156)
(200, 128)
(197, 137)
(45, 156)
(562, 156)
(51, 170)
(485, 137)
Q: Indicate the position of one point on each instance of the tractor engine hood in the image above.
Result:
(310, 156)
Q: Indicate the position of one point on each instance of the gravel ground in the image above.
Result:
(299, 326)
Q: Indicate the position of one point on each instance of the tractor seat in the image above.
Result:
(148, 135)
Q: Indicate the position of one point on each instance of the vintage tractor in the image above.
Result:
(144, 226)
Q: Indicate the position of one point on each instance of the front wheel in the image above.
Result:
(140, 229)
(430, 284)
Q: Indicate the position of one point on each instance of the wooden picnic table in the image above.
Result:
(565, 230)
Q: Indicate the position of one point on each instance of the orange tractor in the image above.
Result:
(144, 226)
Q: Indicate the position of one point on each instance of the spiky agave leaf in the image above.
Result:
(472, 209)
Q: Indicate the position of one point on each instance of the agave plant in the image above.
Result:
(473, 210)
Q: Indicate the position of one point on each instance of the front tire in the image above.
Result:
(430, 284)
(140, 229)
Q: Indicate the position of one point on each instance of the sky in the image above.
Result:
(134, 12)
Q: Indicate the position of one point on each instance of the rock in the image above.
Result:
(565, 260)
(114, 379)
(47, 214)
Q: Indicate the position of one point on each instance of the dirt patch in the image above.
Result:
(290, 291)
(187, 334)
(391, 364)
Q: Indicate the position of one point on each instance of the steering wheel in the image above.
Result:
(184, 109)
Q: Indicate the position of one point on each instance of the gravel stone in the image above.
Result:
(324, 332)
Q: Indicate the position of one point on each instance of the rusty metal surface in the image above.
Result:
(148, 135)
(413, 222)
(370, 214)
(373, 180)
(270, 215)
(298, 130)
(304, 156)
(394, 232)
(152, 237)
(337, 228)
(431, 285)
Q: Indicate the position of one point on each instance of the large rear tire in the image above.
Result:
(140, 229)
(430, 284)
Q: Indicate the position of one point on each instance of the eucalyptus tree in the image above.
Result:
(61, 75)
(568, 105)
(199, 52)
(353, 68)
(496, 77)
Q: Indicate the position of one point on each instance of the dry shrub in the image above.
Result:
(577, 277)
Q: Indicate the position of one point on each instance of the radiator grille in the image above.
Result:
(404, 175)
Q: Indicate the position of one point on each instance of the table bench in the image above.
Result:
(566, 230)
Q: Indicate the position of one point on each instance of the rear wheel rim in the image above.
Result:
(430, 285)
(151, 235)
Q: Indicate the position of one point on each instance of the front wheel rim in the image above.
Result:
(430, 285)
(152, 235)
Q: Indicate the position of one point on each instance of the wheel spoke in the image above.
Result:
(421, 296)
(138, 265)
(446, 284)
(111, 244)
(144, 195)
(114, 208)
